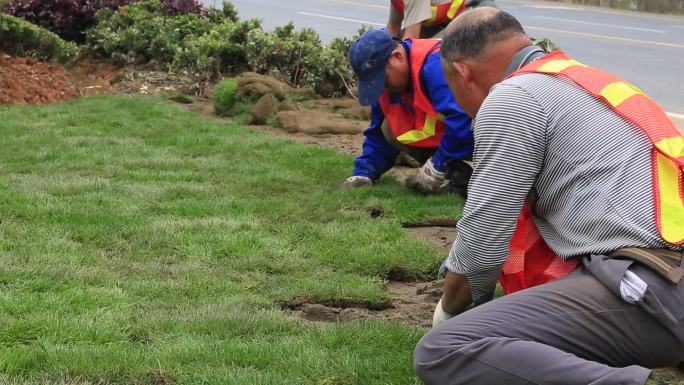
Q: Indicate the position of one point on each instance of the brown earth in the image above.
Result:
(411, 303)
(29, 81)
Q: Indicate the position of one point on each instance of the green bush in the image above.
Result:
(221, 50)
(226, 13)
(300, 57)
(21, 38)
(218, 43)
(202, 46)
(226, 97)
(142, 33)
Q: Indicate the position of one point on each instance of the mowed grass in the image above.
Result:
(144, 244)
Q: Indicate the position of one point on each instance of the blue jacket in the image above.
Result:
(456, 144)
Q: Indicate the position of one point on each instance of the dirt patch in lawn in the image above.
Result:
(439, 236)
(93, 77)
(411, 303)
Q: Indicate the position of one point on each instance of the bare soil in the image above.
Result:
(411, 303)
(29, 81)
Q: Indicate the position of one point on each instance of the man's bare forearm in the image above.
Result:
(394, 29)
(412, 31)
(457, 297)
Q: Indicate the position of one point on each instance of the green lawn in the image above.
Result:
(144, 244)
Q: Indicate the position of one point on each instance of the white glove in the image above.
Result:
(357, 181)
(440, 315)
(428, 179)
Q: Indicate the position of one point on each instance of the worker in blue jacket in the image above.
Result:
(412, 110)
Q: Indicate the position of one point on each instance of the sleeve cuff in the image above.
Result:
(439, 163)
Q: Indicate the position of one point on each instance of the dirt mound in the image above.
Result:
(93, 77)
(319, 122)
(412, 303)
(149, 82)
(27, 80)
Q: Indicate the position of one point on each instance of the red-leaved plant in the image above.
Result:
(181, 7)
(67, 18)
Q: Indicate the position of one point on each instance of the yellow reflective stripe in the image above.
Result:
(428, 130)
(433, 17)
(555, 66)
(455, 5)
(673, 146)
(618, 92)
(671, 204)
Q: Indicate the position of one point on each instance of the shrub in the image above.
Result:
(67, 18)
(301, 58)
(225, 96)
(141, 33)
(221, 50)
(21, 38)
(226, 13)
(202, 45)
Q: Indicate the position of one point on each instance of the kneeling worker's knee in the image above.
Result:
(432, 354)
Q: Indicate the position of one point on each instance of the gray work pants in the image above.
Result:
(571, 331)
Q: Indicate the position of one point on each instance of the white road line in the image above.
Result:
(553, 7)
(386, 6)
(600, 24)
(675, 115)
(607, 37)
(342, 18)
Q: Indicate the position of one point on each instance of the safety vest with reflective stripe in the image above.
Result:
(413, 120)
(535, 263)
(440, 13)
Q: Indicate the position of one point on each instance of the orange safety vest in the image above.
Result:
(441, 13)
(414, 121)
(531, 261)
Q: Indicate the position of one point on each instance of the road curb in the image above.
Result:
(675, 7)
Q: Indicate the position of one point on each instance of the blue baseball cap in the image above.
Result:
(368, 57)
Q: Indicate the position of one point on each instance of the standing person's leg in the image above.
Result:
(570, 331)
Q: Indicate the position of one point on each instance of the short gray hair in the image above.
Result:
(468, 36)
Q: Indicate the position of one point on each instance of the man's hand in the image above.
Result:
(357, 181)
(440, 316)
(428, 179)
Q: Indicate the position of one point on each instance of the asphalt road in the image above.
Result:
(646, 49)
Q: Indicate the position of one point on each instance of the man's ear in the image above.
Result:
(397, 56)
(465, 72)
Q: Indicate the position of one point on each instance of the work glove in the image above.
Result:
(440, 315)
(428, 179)
(357, 181)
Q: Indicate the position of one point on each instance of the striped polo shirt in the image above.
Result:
(585, 171)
